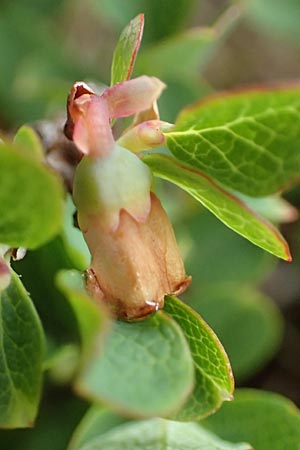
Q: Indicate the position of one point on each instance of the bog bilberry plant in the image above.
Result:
(149, 364)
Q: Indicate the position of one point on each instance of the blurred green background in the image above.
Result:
(249, 299)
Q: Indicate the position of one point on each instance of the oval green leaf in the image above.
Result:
(248, 140)
(214, 380)
(145, 369)
(266, 420)
(31, 199)
(21, 357)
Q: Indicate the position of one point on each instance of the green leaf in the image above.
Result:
(281, 16)
(126, 50)
(31, 199)
(145, 369)
(61, 363)
(221, 203)
(160, 434)
(21, 356)
(92, 317)
(95, 422)
(214, 380)
(247, 322)
(28, 142)
(266, 420)
(248, 141)
(38, 271)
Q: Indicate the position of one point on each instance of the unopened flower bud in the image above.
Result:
(136, 265)
(103, 186)
(144, 136)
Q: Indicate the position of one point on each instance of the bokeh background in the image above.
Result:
(250, 299)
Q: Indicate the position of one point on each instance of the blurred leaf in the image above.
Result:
(95, 422)
(21, 355)
(38, 270)
(247, 322)
(249, 141)
(221, 203)
(273, 208)
(61, 364)
(214, 380)
(59, 413)
(31, 199)
(162, 18)
(73, 240)
(266, 420)
(190, 48)
(91, 317)
(145, 369)
(160, 434)
(28, 142)
(215, 254)
(126, 50)
(281, 16)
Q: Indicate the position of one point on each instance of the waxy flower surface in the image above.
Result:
(135, 258)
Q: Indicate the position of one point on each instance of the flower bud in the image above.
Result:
(103, 186)
(136, 265)
(145, 135)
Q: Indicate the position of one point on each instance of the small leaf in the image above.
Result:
(229, 209)
(21, 356)
(214, 380)
(248, 141)
(247, 322)
(266, 420)
(27, 141)
(126, 50)
(31, 199)
(92, 318)
(146, 368)
(160, 434)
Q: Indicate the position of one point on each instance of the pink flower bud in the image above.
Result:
(136, 265)
(144, 136)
